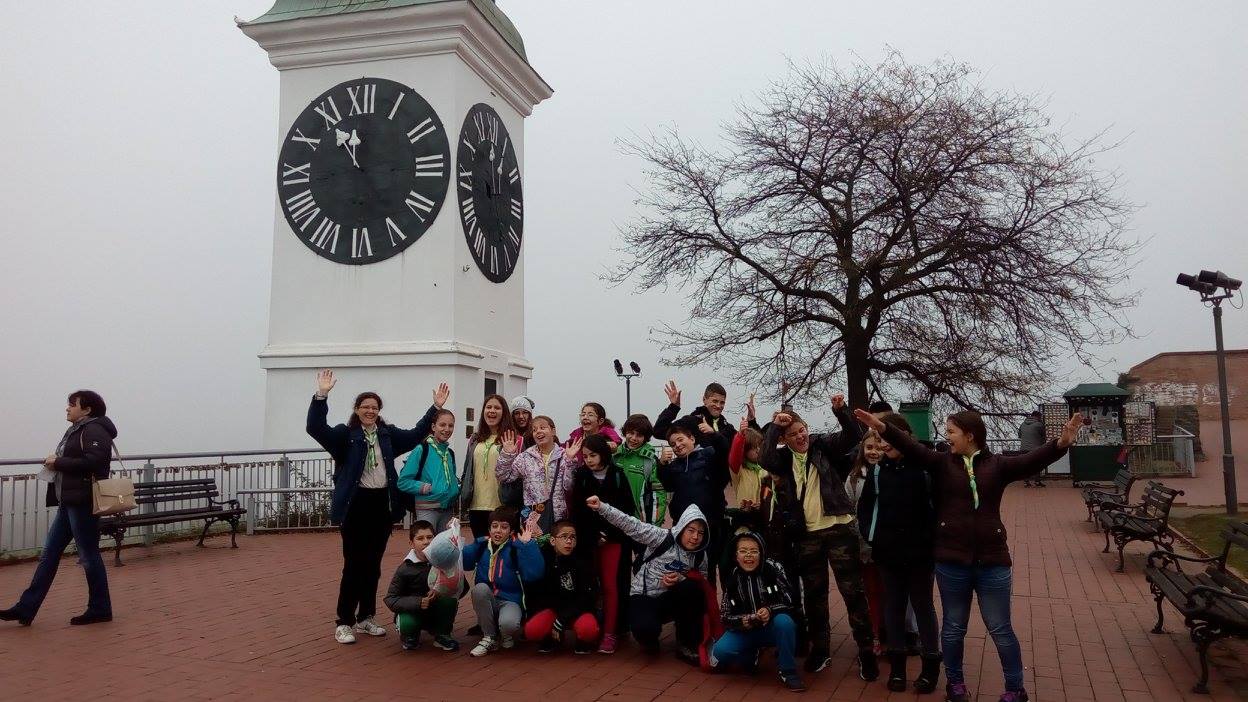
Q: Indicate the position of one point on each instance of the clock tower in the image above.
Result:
(398, 255)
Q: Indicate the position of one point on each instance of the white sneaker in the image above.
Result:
(484, 646)
(343, 634)
(368, 626)
(509, 641)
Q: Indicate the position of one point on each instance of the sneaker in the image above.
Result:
(509, 641)
(343, 634)
(486, 645)
(548, 645)
(688, 655)
(897, 671)
(368, 626)
(792, 682)
(868, 667)
(446, 643)
(1014, 696)
(609, 644)
(817, 661)
(583, 649)
(925, 684)
(410, 643)
(957, 692)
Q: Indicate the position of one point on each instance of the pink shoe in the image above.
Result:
(609, 643)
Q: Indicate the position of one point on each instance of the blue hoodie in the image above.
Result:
(506, 568)
(438, 474)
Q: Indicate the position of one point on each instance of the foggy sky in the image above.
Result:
(139, 140)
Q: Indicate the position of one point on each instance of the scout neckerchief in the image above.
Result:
(970, 473)
(445, 455)
(805, 469)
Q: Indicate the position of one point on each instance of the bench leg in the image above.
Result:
(1106, 541)
(118, 536)
(1160, 612)
(1121, 543)
(234, 532)
(1202, 637)
(207, 523)
(1165, 540)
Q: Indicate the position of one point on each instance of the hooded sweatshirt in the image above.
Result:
(84, 452)
(438, 472)
(745, 592)
(506, 568)
(640, 466)
(662, 547)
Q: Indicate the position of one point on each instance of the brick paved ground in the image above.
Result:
(256, 623)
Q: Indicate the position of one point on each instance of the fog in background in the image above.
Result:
(139, 138)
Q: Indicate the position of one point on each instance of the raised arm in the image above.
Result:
(736, 453)
(510, 467)
(633, 528)
(668, 415)
(404, 440)
(909, 447)
(1036, 460)
(843, 441)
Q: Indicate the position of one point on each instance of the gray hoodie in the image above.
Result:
(649, 580)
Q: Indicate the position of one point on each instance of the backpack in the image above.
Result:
(664, 546)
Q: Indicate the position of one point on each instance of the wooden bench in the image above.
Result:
(1147, 521)
(201, 492)
(1096, 494)
(1213, 602)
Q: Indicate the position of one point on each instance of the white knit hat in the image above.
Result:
(522, 402)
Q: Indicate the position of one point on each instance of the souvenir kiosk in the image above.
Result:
(1097, 452)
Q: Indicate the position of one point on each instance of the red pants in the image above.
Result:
(539, 626)
(874, 586)
(608, 556)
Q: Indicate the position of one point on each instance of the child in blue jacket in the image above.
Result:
(429, 477)
(503, 563)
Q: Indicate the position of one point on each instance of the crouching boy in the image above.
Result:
(564, 599)
(758, 612)
(670, 581)
(415, 606)
(503, 563)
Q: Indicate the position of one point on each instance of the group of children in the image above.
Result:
(570, 543)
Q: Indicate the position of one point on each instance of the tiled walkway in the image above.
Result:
(256, 624)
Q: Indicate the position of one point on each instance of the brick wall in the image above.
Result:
(1191, 378)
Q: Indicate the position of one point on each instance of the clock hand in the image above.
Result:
(348, 142)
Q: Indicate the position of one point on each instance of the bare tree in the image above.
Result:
(889, 225)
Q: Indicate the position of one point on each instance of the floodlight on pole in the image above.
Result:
(628, 382)
(1208, 284)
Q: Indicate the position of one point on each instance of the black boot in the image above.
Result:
(925, 684)
(11, 615)
(868, 668)
(897, 671)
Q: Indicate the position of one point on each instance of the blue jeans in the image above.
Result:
(741, 647)
(74, 523)
(991, 584)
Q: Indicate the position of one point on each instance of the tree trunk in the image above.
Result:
(857, 351)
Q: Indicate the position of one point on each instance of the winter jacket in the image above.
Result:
(425, 466)
(507, 568)
(662, 547)
(569, 585)
(827, 455)
(347, 446)
(410, 584)
(737, 464)
(1030, 434)
(895, 513)
(699, 478)
(966, 534)
(747, 592)
(539, 480)
(641, 468)
(87, 454)
(720, 424)
(613, 490)
(609, 433)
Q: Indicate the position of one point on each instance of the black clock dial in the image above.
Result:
(491, 201)
(363, 171)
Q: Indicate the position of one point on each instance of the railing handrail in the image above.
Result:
(168, 456)
(283, 491)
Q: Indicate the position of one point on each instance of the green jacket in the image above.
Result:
(639, 466)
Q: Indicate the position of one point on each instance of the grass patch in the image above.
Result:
(1204, 527)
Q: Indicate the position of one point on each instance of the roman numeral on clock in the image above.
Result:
(468, 212)
(418, 203)
(292, 175)
(302, 208)
(478, 243)
(430, 166)
(361, 246)
(424, 128)
(326, 233)
(363, 99)
(516, 209)
(393, 229)
(513, 236)
(330, 120)
(514, 175)
(395, 109)
(310, 141)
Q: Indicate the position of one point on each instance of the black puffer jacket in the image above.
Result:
(902, 531)
(690, 421)
(569, 586)
(747, 592)
(827, 455)
(613, 490)
(87, 454)
(699, 478)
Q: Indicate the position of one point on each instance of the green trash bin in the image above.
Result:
(919, 414)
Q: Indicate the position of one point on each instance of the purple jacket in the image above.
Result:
(527, 467)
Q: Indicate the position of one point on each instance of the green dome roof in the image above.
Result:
(283, 10)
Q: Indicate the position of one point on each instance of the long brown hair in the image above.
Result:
(972, 423)
(543, 418)
(504, 422)
(601, 412)
(354, 420)
(860, 460)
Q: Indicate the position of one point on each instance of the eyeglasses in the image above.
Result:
(565, 537)
(748, 552)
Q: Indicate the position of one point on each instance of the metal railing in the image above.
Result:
(286, 509)
(1169, 455)
(24, 516)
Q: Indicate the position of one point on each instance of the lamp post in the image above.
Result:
(1214, 287)
(628, 382)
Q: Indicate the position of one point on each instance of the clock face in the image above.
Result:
(491, 202)
(363, 171)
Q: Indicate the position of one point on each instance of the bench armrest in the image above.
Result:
(1110, 495)
(1162, 559)
(236, 503)
(1115, 506)
(1210, 594)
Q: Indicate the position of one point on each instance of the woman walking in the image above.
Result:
(82, 456)
(366, 500)
(971, 554)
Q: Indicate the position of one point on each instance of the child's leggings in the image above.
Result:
(540, 625)
(608, 555)
(438, 619)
